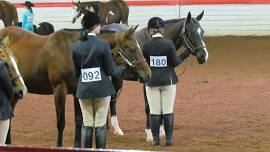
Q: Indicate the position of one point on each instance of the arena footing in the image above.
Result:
(54, 149)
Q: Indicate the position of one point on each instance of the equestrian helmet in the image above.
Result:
(89, 20)
(155, 22)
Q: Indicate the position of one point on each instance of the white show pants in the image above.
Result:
(95, 111)
(4, 126)
(161, 99)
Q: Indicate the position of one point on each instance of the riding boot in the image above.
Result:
(168, 124)
(101, 134)
(155, 124)
(87, 134)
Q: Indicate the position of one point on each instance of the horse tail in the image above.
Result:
(15, 16)
(124, 9)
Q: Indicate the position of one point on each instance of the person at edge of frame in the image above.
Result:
(94, 64)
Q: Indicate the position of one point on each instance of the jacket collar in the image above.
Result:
(157, 35)
(92, 34)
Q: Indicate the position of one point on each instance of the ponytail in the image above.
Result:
(84, 34)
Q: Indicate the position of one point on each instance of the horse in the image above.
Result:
(185, 32)
(52, 68)
(114, 11)
(44, 28)
(8, 13)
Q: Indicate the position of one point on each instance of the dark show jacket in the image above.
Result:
(160, 54)
(94, 64)
(6, 93)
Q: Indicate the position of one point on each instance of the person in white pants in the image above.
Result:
(160, 54)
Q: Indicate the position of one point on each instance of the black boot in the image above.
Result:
(101, 134)
(168, 126)
(87, 134)
(155, 125)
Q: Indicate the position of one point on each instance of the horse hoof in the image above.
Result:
(149, 137)
(161, 131)
(118, 132)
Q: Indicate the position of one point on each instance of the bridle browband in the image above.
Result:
(130, 62)
(188, 42)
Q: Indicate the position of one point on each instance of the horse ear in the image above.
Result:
(199, 17)
(188, 16)
(76, 4)
(132, 30)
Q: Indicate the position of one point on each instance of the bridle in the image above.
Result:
(15, 78)
(120, 52)
(188, 42)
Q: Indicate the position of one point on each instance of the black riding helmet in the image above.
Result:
(155, 22)
(89, 20)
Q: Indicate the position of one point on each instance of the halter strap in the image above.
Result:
(122, 55)
(188, 41)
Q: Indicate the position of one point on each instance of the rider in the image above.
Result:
(94, 64)
(160, 54)
(28, 17)
(6, 95)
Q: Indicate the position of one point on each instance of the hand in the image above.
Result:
(124, 67)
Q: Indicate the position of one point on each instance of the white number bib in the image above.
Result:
(91, 74)
(158, 61)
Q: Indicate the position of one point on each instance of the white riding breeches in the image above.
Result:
(4, 126)
(94, 111)
(161, 99)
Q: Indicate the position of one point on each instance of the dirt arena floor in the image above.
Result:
(221, 106)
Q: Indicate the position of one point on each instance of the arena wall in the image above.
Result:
(222, 17)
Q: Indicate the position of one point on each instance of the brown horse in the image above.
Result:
(47, 67)
(114, 11)
(8, 13)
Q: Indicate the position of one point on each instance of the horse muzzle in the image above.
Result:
(202, 56)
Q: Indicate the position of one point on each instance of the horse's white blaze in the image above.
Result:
(199, 30)
(138, 45)
(14, 64)
(74, 12)
(206, 52)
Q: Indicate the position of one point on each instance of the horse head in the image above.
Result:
(130, 52)
(7, 56)
(192, 33)
(78, 9)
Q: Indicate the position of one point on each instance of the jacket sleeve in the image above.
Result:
(110, 67)
(24, 18)
(6, 82)
(176, 60)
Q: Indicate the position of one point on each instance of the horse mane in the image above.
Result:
(173, 20)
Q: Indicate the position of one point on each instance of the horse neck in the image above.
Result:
(110, 38)
(173, 32)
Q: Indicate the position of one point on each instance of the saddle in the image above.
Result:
(114, 27)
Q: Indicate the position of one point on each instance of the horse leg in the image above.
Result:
(60, 92)
(117, 83)
(78, 122)
(149, 137)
